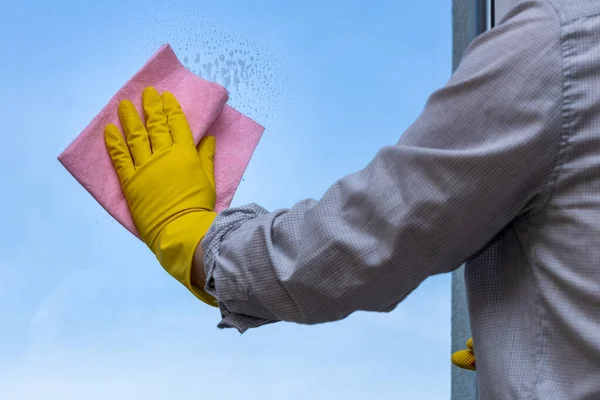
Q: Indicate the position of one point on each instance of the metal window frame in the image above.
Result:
(470, 18)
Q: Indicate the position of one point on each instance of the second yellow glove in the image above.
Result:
(465, 359)
(168, 183)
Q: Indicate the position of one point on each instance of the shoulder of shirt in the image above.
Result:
(568, 11)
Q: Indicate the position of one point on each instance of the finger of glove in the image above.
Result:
(470, 344)
(178, 125)
(135, 133)
(464, 359)
(119, 152)
(206, 153)
(156, 120)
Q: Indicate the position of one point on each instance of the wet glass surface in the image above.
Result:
(85, 309)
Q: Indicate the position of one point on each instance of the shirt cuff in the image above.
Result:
(237, 309)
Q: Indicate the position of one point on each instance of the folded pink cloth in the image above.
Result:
(203, 102)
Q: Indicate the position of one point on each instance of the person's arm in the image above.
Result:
(197, 275)
(480, 155)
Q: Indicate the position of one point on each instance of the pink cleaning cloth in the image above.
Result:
(203, 103)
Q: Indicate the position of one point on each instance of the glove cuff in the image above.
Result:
(176, 244)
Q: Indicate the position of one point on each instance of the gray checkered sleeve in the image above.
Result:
(478, 156)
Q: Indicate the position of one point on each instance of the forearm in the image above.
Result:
(371, 240)
(198, 276)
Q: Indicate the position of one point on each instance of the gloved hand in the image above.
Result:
(168, 183)
(465, 359)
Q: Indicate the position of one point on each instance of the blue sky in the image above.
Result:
(86, 311)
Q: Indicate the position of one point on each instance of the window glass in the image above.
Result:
(86, 312)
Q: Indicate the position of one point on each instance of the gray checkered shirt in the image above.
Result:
(501, 171)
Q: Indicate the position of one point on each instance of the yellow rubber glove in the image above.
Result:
(168, 183)
(465, 359)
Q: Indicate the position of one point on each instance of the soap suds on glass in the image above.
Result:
(209, 44)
